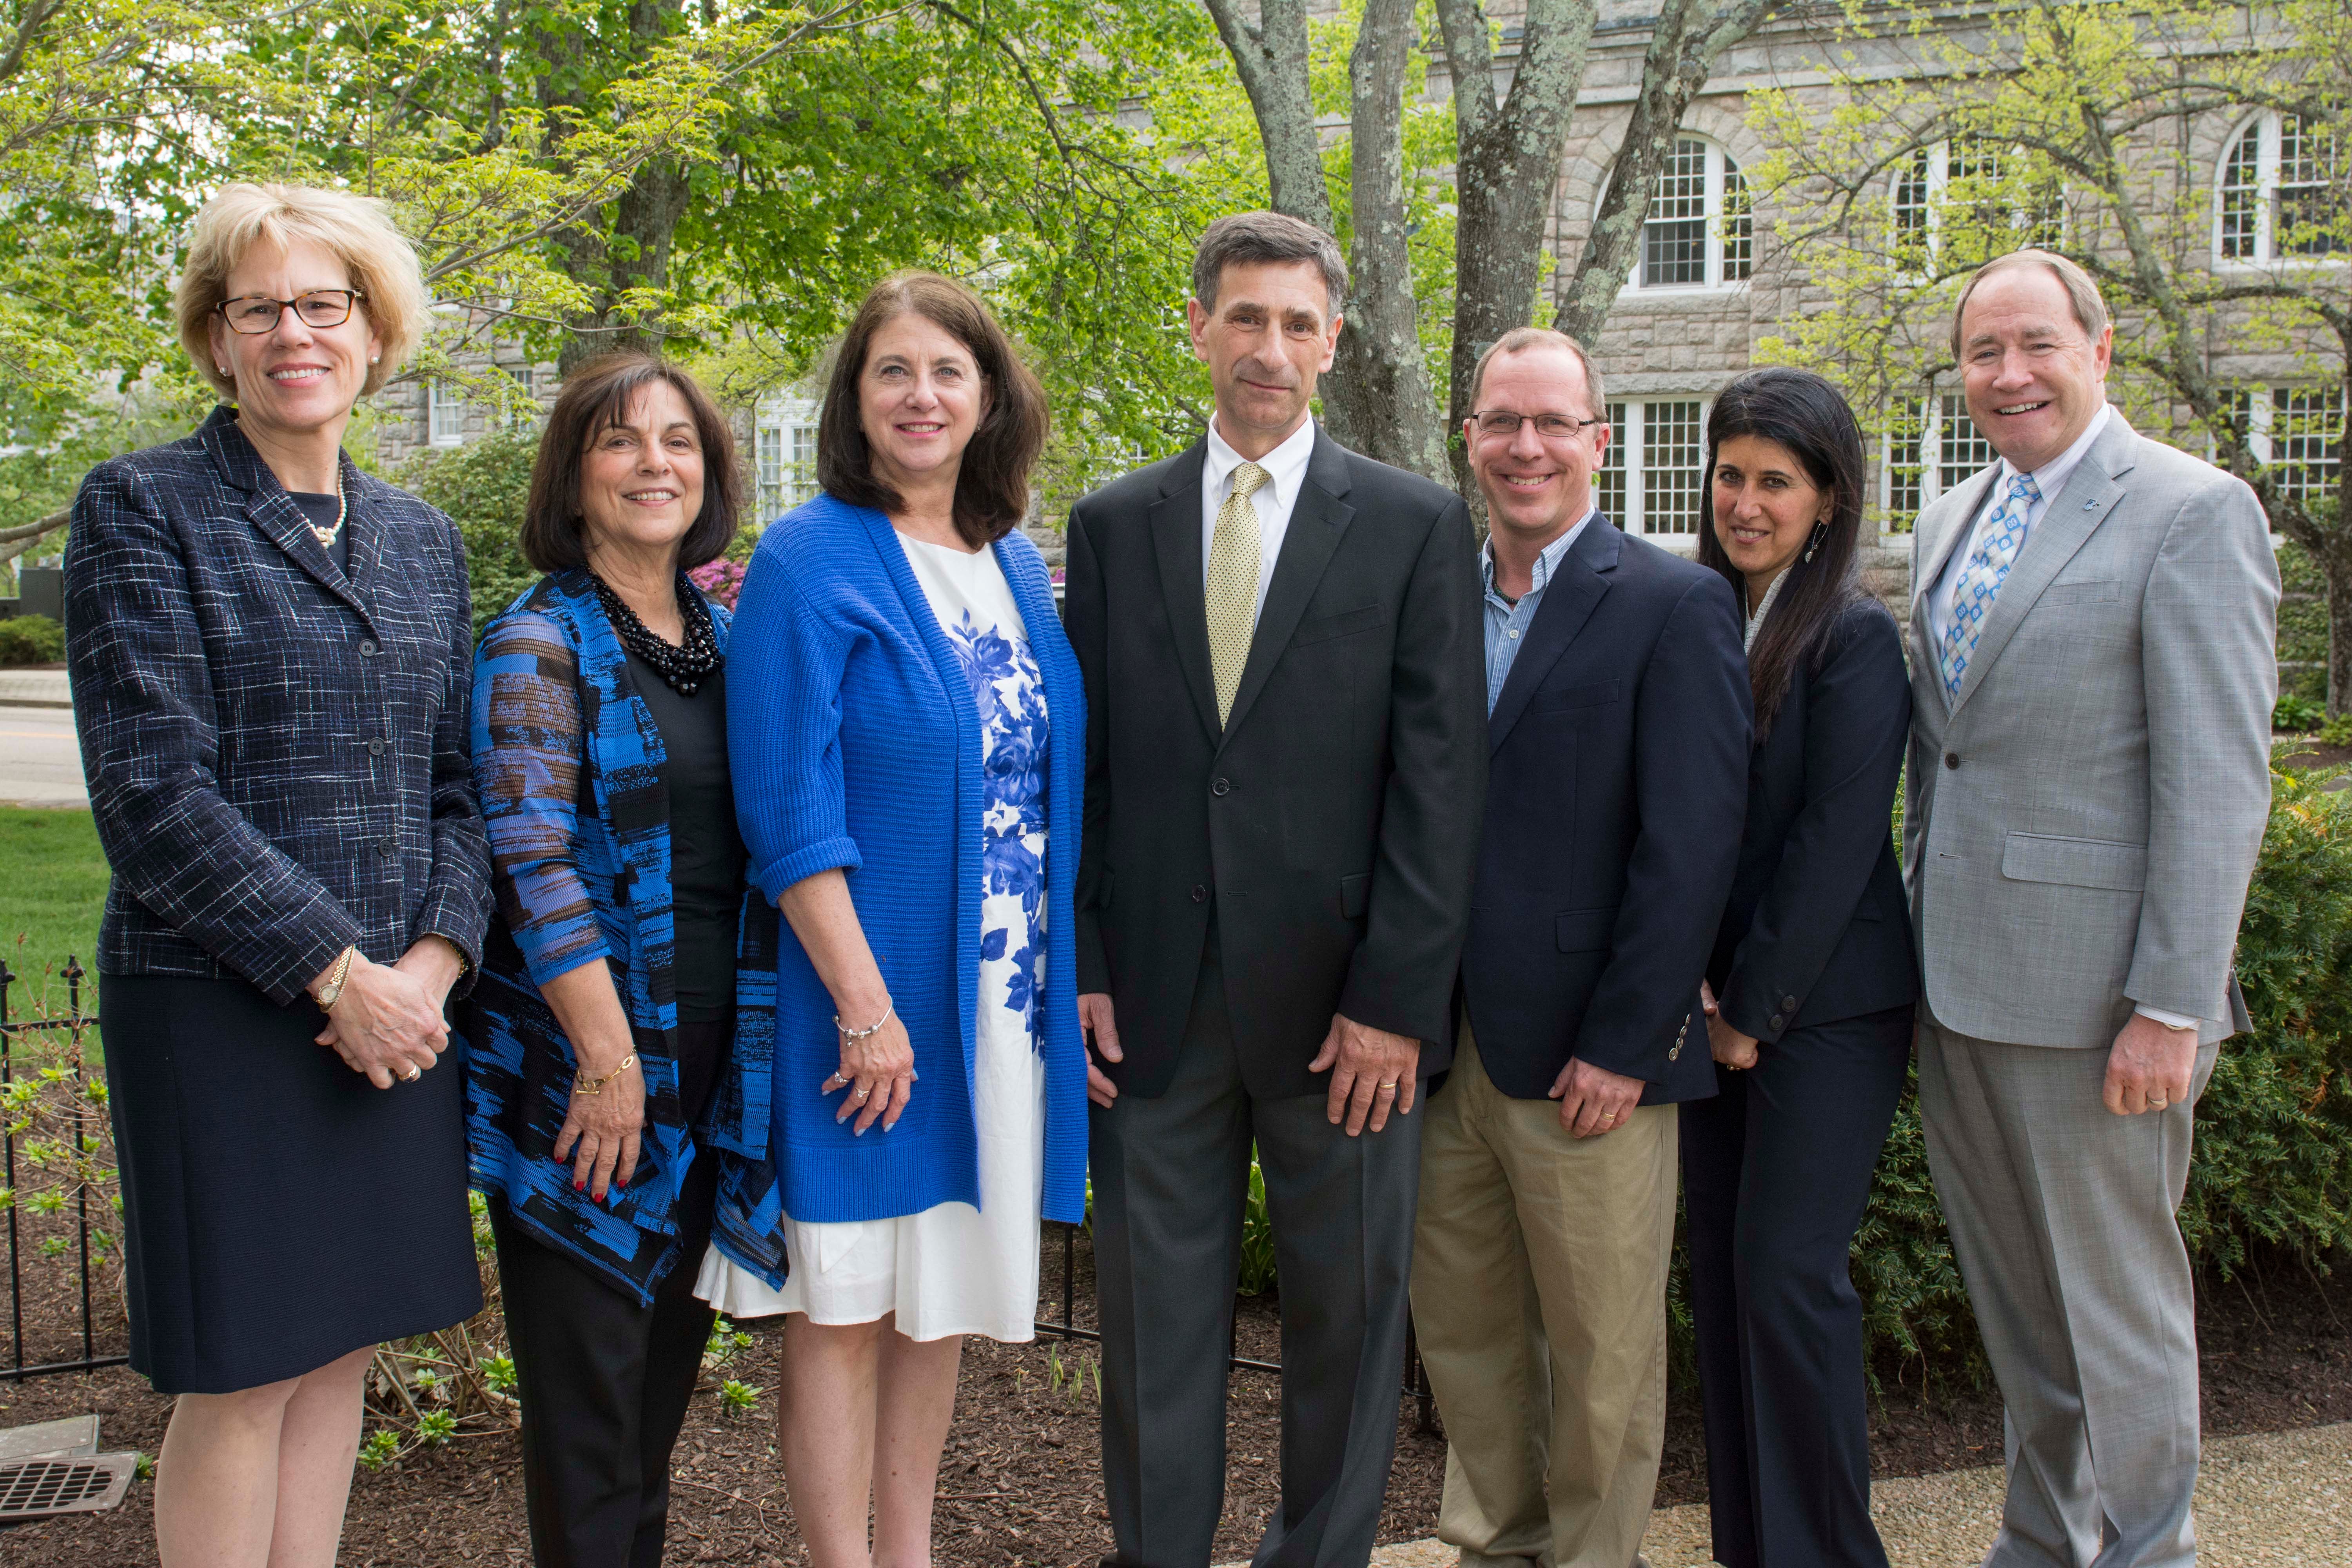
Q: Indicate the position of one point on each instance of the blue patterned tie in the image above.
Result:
(1981, 579)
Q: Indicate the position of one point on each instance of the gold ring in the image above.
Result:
(413, 1073)
(1387, 1088)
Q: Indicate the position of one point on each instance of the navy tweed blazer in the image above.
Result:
(277, 754)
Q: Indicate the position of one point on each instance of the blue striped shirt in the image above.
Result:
(1506, 622)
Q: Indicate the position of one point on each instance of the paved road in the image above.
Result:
(2279, 1500)
(40, 763)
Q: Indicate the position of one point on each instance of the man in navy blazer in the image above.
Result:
(1618, 731)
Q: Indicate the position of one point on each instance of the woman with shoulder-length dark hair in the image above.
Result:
(605, 1075)
(909, 736)
(1809, 992)
(268, 655)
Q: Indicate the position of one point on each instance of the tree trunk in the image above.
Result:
(1507, 168)
(1379, 392)
(636, 254)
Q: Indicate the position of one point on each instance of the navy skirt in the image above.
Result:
(279, 1210)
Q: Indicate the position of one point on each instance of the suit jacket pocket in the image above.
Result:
(1593, 695)
(1355, 892)
(1347, 623)
(1584, 931)
(2075, 862)
(2099, 591)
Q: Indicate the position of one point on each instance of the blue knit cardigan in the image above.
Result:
(856, 743)
(583, 876)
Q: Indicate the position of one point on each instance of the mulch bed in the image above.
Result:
(1021, 1483)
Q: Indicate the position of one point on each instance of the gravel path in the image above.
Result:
(2278, 1499)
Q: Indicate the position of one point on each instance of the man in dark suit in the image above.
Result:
(1617, 782)
(1280, 646)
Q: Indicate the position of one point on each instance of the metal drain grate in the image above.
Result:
(32, 1488)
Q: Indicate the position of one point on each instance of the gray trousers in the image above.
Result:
(2063, 1217)
(1171, 1179)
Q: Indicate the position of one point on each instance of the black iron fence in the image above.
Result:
(79, 1128)
(72, 1107)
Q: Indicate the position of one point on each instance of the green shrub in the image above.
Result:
(31, 639)
(2296, 714)
(483, 486)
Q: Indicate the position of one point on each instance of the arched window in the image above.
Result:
(1986, 199)
(1701, 229)
(2274, 201)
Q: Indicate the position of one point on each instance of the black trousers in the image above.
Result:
(604, 1383)
(1170, 1182)
(1776, 1174)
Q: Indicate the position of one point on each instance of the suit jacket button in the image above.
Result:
(1776, 1020)
(1951, 759)
(1675, 1053)
(367, 650)
(1788, 1003)
(1200, 895)
(1221, 788)
(375, 746)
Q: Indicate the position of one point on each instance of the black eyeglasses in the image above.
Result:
(253, 314)
(1550, 426)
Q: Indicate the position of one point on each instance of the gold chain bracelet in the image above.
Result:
(583, 1084)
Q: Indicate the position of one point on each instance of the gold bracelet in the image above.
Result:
(332, 991)
(583, 1084)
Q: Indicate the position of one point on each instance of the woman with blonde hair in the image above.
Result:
(269, 653)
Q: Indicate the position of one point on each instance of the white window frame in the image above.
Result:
(785, 454)
(445, 415)
(1936, 182)
(2261, 407)
(1629, 446)
(1727, 231)
(2269, 129)
(1935, 413)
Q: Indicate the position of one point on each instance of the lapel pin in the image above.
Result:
(2090, 506)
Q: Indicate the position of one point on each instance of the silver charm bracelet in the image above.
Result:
(851, 1036)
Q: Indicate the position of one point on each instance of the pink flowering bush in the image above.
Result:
(722, 579)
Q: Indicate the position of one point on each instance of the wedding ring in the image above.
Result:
(1387, 1088)
(2157, 1104)
(862, 1093)
(413, 1073)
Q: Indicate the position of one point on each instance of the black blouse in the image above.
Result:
(706, 858)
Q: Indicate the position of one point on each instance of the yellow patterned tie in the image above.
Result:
(1232, 585)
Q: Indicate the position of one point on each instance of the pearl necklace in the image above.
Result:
(326, 536)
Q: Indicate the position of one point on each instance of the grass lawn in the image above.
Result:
(52, 887)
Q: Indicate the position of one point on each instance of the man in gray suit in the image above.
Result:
(2094, 664)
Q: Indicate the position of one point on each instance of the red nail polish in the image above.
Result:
(579, 1186)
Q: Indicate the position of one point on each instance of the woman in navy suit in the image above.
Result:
(269, 651)
(1810, 989)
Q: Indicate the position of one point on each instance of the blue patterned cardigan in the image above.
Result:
(554, 695)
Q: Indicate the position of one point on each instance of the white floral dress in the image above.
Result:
(956, 1269)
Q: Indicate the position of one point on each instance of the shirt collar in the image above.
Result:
(1283, 466)
(2051, 477)
(1548, 560)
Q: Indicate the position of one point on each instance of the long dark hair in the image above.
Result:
(1804, 412)
(992, 493)
(597, 395)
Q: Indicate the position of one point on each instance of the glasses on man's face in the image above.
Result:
(1550, 426)
(253, 314)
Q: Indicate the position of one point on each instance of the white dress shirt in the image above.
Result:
(2049, 479)
(1286, 469)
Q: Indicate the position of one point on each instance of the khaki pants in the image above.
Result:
(1539, 1294)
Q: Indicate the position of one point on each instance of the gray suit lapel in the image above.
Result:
(2066, 525)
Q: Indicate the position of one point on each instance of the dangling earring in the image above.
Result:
(1813, 545)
